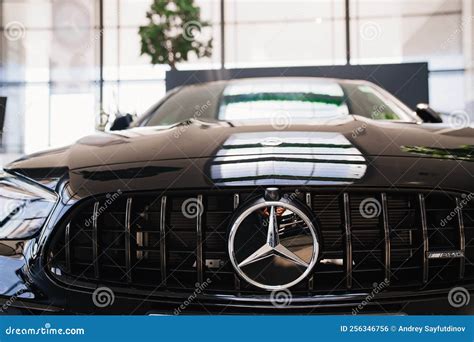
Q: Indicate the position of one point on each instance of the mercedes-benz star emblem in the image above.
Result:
(273, 244)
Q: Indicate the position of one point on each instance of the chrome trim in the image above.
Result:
(308, 200)
(128, 233)
(23, 304)
(95, 239)
(236, 200)
(272, 244)
(386, 229)
(67, 242)
(199, 241)
(163, 241)
(236, 277)
(311, 283)
(462, 239)
(309, 204)
(445, 255)
(166, 296)
(348, 239)
(424, 228)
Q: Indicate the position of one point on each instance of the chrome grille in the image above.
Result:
(145, 241)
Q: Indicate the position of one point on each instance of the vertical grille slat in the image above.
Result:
(95, 240)
(424, 230)
(235, 206)
(163, 265)
(386, 229)
(199, 240)
(128, 234)
(309, 203)
(348, 239)
(462, 238)
(67, 245)
(236, 201)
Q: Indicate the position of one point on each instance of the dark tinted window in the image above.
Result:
(200, 102)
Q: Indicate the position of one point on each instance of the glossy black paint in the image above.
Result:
(395, 155)
(353, 152)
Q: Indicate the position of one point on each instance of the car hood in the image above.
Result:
(353, 140)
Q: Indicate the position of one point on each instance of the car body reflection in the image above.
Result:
(291, 158)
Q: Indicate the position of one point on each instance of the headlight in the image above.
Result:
(24, 207)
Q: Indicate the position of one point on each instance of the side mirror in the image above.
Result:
(122, 122)
(428, 114)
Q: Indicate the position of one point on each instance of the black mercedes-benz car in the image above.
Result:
(266, 195)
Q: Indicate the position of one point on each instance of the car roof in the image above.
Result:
(285, 80)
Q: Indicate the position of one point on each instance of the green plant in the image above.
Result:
(173, 32)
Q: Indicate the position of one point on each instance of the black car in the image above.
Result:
(266, 195)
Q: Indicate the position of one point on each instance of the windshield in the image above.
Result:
(263, 99)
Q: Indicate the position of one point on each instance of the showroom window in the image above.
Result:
(414, 31)
(255, 36)
(48, 72)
